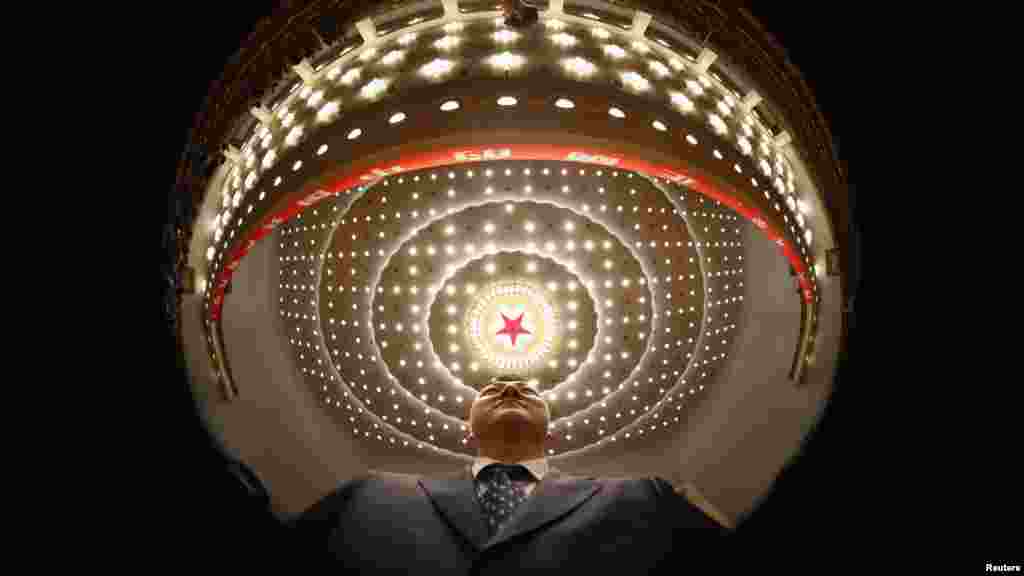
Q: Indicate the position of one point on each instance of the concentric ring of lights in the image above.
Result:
(362, 209)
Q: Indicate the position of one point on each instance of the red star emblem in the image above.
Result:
(513, 327)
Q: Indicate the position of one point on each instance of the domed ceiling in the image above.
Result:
(438, 198)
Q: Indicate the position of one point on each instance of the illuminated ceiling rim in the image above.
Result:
(457, 156)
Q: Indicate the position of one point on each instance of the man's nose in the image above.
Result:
(510, 390)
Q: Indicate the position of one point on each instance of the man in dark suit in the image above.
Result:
(491, 518)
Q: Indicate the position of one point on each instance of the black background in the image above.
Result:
(826, 500)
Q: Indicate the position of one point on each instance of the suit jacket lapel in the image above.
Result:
(455, 498)
(554, 497)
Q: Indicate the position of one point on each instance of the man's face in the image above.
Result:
(509, 408)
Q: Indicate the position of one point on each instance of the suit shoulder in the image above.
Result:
(331, 501)
(692, 508)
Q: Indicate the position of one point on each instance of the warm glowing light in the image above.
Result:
(293, 136)
(564, 40)
(450, 105)
(351, 76)
(659, 125)
(327, 111)
(506, 61)
(507, 101)
(745, 146)
(453, 27)
(554, 24)
(640, 47)
(718, 124)
(505, 36)
(601, 33)
(447, 43)
(393, 57)
(269, 158)
(616, 112)
(579, 66)
(374, 88)
(694, 88)
(564, 103)
(659, 69)
(407, 38)
(355, 134)
(635, 81)
(614, 51)
(396, 118)
(437, 68)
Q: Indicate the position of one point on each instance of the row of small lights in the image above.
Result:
(562, 103)
(373, 88)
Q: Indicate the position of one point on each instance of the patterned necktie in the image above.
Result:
(500, 489)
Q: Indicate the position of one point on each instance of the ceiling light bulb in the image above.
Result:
(614, 51)
(564, 40)
(393, 57)
(447, 43)
(505, 36)
(659, 69)
(635, 81)
(506, 61)
(579, 66)
(374, 88)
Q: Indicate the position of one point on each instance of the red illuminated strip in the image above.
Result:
(455, 156)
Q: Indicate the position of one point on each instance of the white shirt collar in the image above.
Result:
(538, 468)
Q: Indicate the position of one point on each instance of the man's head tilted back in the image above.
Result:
(509, 420)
